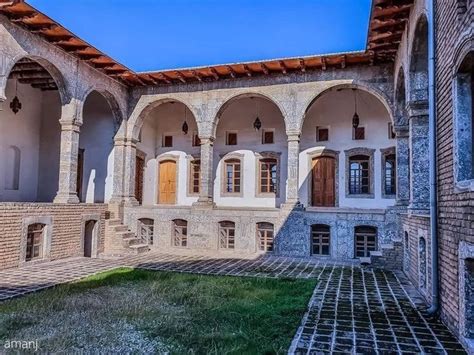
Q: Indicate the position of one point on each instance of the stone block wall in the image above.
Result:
(455, 28)
(66, 224)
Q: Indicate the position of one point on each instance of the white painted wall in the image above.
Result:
(167, 119)
(35, 131)
(97, 140)
(335, 110)
(239, 116)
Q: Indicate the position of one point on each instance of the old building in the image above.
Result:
(323, 156)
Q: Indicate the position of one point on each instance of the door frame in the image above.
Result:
(95, 234)
(159, 160)
(321, 153)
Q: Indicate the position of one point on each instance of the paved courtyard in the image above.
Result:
(353, 309)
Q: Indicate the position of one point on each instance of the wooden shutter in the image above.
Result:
(139, 177)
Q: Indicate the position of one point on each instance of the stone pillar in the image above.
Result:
(206, 194)
(419, 158)
(67, 191)
(129, 151)
(119, 169)
(292, 185)
(403, 165)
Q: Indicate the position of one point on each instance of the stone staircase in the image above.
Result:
(119, 240)
(390, 256)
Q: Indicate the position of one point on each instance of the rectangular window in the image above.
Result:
(390, 174)
(265, 233)
(34, 242)
(268, 137)
(226, 235)
(358, 133)
(391, 131)
(232, 176)
(365, 241)
(231, 138)
(196, 140)
(320, 237)
(167, 141)
(322, 134)
(195, 178)
(180, 237)
(359, 175)
(268, 175)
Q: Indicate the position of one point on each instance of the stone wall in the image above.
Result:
(65, 226)
(455, 28)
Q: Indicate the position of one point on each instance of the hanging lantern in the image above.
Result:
(185, 127)
(355, 118)
(257, 124)
(16, 105)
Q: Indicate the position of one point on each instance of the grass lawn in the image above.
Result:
(139, 311)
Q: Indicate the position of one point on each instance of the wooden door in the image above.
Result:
(139, 175)
(88, 238)
(323, 182)
(167, 181)
(80, 173)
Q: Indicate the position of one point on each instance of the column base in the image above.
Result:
(292, 206)
(68, 198)
(204, 205)
(130, 201)
(419, 210)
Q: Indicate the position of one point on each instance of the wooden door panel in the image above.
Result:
(323, 182)
(139, 178)
(167, 181)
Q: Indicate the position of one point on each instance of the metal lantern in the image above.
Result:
(185, 127)
(257, 124)
(15, 105)
(355, 118)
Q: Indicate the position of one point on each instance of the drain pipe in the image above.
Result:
(433, 166)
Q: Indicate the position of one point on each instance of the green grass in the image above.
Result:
(137, 311)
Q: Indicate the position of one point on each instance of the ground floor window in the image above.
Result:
(365, 241)
(180, 233)
(34, 241)
(265, 234)
(145, 230)
(227, 235)
(320, 239)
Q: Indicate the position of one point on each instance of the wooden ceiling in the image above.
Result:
(27, 71)
(387, 23)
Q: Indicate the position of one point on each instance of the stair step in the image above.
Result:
(365, 260)
(139, 248)
(387, 246)
(376, 253)
(124, 235)
(128, 242)
(114, 222)
(121, 228)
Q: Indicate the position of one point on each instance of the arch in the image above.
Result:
(58, 77)
(111, 101)
(235, 97)
(418, 61)
(381, 96)
(137, 119)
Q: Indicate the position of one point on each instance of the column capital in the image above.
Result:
(417, 108)
(207, 139)
(293, 136)
(402, 131)
(124, 141)
(70, 125)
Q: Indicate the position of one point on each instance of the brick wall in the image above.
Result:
(67, 223)
(456, 210)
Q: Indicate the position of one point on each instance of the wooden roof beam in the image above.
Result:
(283, 67)
(247, 70)
(152, 79)
(302, 65)
(343, 61)
(214, 73)
(164, 78)
(180, 77)
(323, 63)
(264, 68)
(196, 75)
(232, 72)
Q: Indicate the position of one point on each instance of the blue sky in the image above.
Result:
(165, 34)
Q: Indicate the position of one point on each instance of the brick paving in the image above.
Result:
(352, 310)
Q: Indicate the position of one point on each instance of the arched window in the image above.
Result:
(232, 175)
(35, 242)
(422, 262)
(146, 230)
(180, 233)
(226, 235)
(320, 239)
(464, 120)
(265, 235)
(359, 175)
(12, 170)
(365, 241)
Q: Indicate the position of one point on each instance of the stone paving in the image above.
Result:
(352, 310)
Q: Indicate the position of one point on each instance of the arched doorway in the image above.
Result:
(90, 237)
(30, 134)
(167, 182)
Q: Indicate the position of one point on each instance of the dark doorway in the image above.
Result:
(89, 231)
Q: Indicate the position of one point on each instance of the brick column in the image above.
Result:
(67, 191)
(403, 165)
(206, 194)
(292, 186)
(419, 158)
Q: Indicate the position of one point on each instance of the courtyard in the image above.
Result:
(196, 304)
